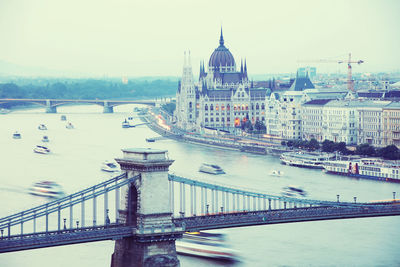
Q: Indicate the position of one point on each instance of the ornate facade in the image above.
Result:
(222, 98)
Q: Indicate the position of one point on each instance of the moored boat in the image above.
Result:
(211, 169)
(4, 111)
(46, 189)
(306, 159)
(41, 149)
(368, 168)
(205, 244)
(125, 124)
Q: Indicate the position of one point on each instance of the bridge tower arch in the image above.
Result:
(145, 206)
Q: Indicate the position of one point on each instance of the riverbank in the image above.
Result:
(227, 141)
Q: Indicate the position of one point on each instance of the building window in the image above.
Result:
(211, 120)
(216, 107)
(257, 106)
(222, 107)
(206, 107)
(190, 105)
(228, 107)
(262, 106)
(206, 120)
(211, 107)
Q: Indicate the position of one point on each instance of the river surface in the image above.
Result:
(75, 164)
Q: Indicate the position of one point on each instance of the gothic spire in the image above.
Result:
(221, 39)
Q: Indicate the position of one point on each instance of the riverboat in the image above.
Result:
(276, 173)
(46, 189)
(45, 139)
(211, 169)
(206, 244)
(368, 168)
(69, 126)
(63, 117)
(306, 159)
(125, 124)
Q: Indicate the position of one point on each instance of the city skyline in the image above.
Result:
(123, 38)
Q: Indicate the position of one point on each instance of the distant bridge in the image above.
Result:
(108, 105)
(151, 208)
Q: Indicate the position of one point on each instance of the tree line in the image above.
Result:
(89, 89)
(390, 152)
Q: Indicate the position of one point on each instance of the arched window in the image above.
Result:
(228, 107)
(222, 107)
(216, 107)
(247, 107)
(211, 120)
(257, 106)
(262, 106)
(217, 119)
(206, 120)
(252, 106)
(190, 104)
(222, 119)
(211, 107)
(206, 107)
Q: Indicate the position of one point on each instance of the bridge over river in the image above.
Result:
(108, 105)
(152, 208)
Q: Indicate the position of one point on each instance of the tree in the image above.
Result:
(365, 150)
(390, 152)
(260, 126)
(328, 146)
(313, 144)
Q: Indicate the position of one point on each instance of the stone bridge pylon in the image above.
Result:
(146, 207)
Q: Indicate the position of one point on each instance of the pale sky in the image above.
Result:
(148, 37)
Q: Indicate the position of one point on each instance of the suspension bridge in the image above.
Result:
(145, 209)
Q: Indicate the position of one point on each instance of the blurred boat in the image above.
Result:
(42, 127)
(45, 139)
(46, 189)
(109, 166)
(69, 126)
(211, 168)
(4, 111)
(293, 191)
(276, 173)
(205, 244)
(17, 135)
(63, 117)
(41, 150)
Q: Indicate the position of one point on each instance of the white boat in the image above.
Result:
(306, 159)
(4, 111)
(125, 124)
(293, 191)
(204, 244)
(16, 135)
(276, 173)
(45, 139)
(46, 189)
(69, 126)
(369, 168)
(110, 166)
(211, 168)
(63, 117)
(41, 149)
(42, 127)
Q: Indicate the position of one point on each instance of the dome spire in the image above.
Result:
(221, 39)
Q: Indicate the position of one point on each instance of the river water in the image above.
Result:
(75, 164)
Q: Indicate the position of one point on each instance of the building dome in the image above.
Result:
(222, 57)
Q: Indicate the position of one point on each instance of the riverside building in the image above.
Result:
(223, 97)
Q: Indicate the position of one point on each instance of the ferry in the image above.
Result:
(211, 169)
(276, 173)
(306, 159)
(46, 189)
(45, 139)
(41, 150)
(125, 124)
(369, 168)
(16, 135)
(205, 244)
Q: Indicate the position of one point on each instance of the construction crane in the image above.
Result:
(350, 81)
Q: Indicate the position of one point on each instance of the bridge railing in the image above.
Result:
(60, 205)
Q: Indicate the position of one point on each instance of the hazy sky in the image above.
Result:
(148, 38)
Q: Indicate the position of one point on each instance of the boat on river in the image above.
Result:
(45, 139)
(276, 173)
(46, 189)
(42, 127)
(110, 166)
(63, 117)
(125, 124)
(69, 126)
(306, 159)
(368, 168)
(211, 169)
(293, 191)
(205, 244)
(41, 149)
(4, 111)
(17, 135)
